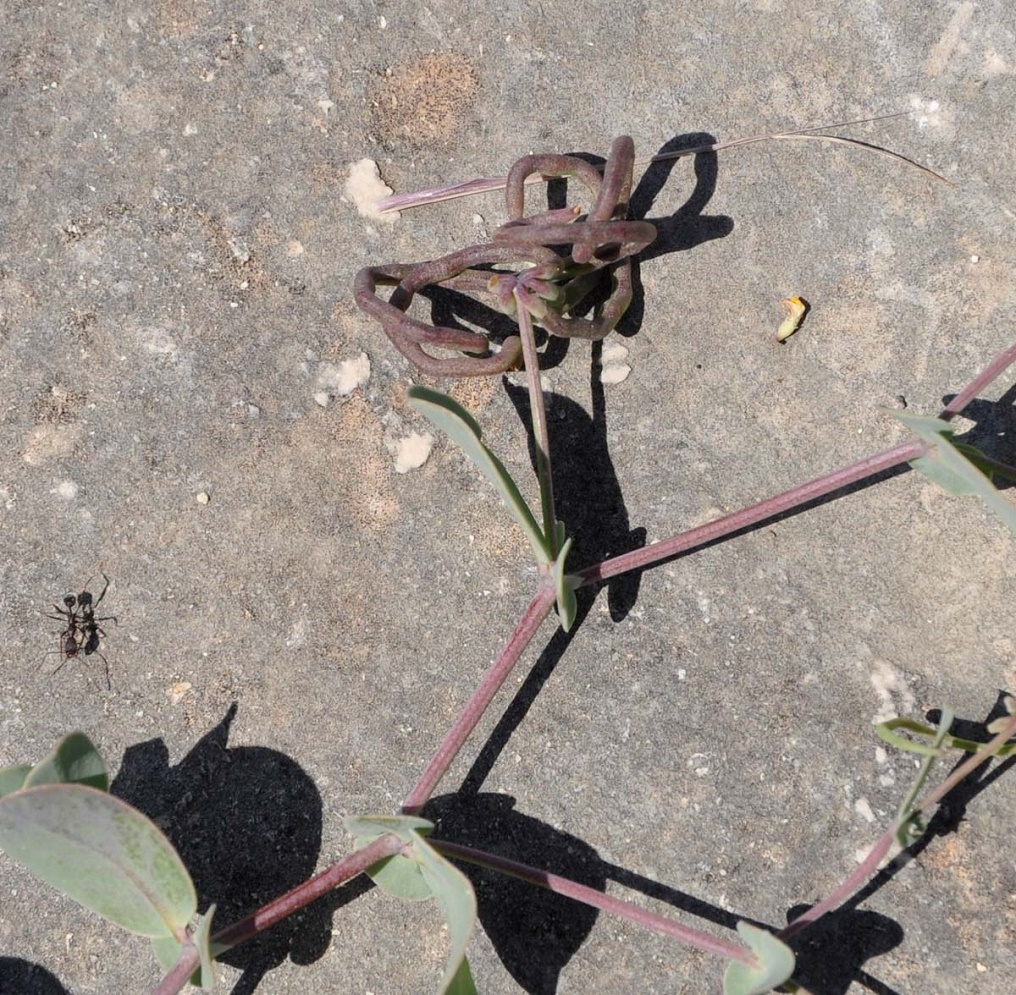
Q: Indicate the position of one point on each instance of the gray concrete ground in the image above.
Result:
(176, 259)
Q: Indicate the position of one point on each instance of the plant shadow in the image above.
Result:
(246, 822)
(535, 931)
(587, 493)
(22, 977)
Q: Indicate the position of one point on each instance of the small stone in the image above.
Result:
(614, 374)
(346, 377)
(322, 397)
(613, 352)
(364, 188)
(178, 691)
(413, 451)
(203, 497)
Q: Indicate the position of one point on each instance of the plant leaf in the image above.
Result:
(13, 778)
(449, 887)
(911, 822)
(950, 469)
(885, 731)
(73, 761)
(454, 896)
(200, 938)
(462, 983)
(168, 950)
(565, 587)
(775, 964)
(104, 854)
(398, 875)
(460, 426)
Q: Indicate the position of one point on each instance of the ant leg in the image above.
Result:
(105, 663)
(94, 603)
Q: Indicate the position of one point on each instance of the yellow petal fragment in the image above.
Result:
(797, 308)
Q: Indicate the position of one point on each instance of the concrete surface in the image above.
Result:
(176, 261)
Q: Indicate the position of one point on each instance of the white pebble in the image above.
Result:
(613, 352)
(614, 374)
(413, 451)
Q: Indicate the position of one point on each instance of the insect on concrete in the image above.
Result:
(83, 632)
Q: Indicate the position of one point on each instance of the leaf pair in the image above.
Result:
(418, 873)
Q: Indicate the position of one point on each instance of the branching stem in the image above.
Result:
(538, 411)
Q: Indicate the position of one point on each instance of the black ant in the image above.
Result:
(83, 632)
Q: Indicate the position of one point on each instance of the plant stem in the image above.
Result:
(598, 900)
(995, 368)
(857, 879)
(292, 901)
(303, 894)
(533, 616)
(181, 971)
(639, 559)
(541, 439)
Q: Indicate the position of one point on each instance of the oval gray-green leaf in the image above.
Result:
(13, 778)
(73, 761)
(399, 876)
(775, 964)
(104, 854)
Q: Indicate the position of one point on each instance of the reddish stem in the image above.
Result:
(640, 558)
(534, 615)
(598, 900)
(303, 894)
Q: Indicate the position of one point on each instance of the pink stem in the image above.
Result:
(534, 615)
(753, 514)
(303, 894)
(598, 900)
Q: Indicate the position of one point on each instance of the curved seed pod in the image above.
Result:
(546, 165)
(552, 282)
(406, 333)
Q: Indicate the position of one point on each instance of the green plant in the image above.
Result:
(58, 820)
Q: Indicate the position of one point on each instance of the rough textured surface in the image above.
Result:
(176, 260)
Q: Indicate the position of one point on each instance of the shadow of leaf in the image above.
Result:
(534, 931)
(22, 977)
(830, 953)
(246, 821)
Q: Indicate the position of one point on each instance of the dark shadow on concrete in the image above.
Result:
(22, 977)
(247, 823)
(994, 431)
(830, 954)
(536, 932)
